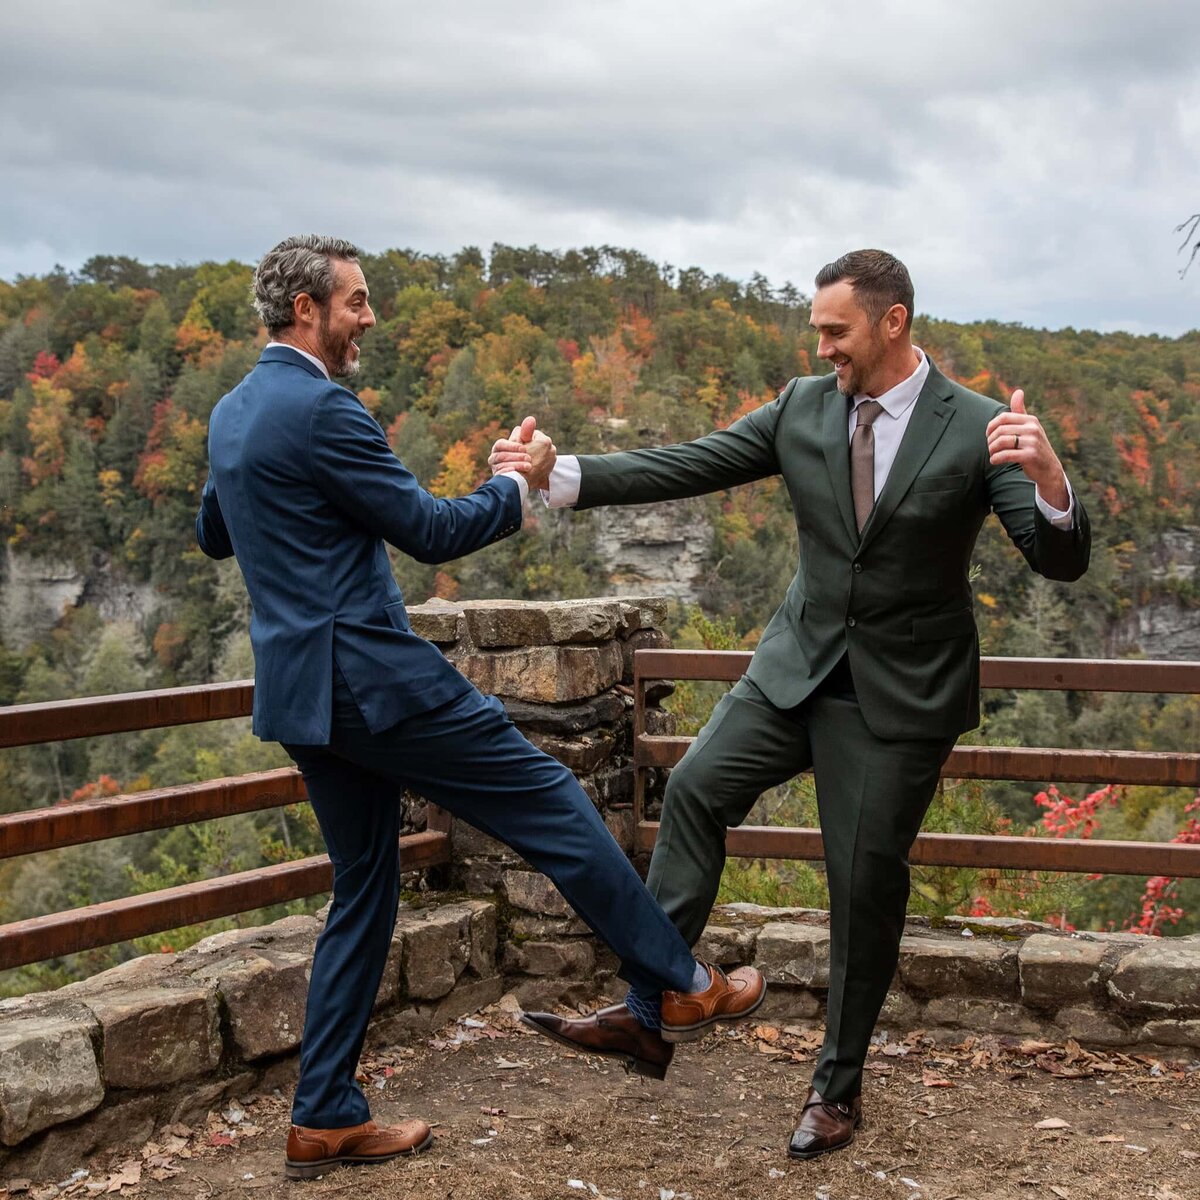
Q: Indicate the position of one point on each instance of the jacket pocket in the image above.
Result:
(943, 627)
(939, 483)
(397, 615)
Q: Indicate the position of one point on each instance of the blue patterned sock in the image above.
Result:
(647, 1010)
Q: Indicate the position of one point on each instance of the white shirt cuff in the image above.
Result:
(1059, 518)
(521, 482)
(564, 483)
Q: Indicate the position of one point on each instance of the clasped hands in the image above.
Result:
(526, 450)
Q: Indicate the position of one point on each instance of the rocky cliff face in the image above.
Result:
(34, 592)
(654, 549)
(1165, 626)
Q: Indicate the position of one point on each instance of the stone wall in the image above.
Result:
(166, 1038)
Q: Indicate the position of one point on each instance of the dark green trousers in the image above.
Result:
(872, 796)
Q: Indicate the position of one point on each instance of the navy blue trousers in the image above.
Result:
(469, 758)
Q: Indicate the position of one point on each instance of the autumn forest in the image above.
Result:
(107, 380)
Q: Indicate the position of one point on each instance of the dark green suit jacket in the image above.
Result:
(897, 598)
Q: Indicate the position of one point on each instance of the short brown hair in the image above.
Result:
(879, 280)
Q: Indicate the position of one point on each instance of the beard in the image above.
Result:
(336, 350)
(858, 378)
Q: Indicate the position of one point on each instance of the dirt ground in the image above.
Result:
(519, 1118)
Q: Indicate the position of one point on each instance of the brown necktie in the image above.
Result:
(862, 461)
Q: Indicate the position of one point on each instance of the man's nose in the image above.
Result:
(367, 319)
(824, 348)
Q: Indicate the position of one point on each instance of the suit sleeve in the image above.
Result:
(211, 533)
(355, 468)
(742, 453)
(1061, 554)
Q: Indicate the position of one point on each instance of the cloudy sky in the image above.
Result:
(1028, 160)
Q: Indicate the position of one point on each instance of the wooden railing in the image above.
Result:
(75, 823)
(967, 762)
(70, 824)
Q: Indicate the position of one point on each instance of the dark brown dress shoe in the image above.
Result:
(613, 1032)
(313, 1152)
(825, 1125)
(686, 1015)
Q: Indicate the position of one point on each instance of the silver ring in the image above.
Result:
(1016, 441)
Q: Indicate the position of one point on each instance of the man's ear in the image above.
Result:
(304, 308)
(895, 320)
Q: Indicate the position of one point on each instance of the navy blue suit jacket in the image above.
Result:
(304, 489)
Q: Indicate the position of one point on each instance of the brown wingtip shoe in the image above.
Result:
(732, 997)
(613, 1032)
(313, 1152)
(825, 1125)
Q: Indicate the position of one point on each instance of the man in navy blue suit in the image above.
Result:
(305, 490)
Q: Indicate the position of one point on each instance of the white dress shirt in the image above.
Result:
(898, 404)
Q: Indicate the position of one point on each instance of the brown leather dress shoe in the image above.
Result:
(686, 1015)
(313, 1152)
(613, 1032)
(825, 1125)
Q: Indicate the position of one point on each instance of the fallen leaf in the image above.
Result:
(491, 1112)
(1029, 1048)
(504, 1064)
(1053, 1123)
(1111, 1137)
(766, 1033)
(932, 1079)
(1060, 1192)
(126, 1175)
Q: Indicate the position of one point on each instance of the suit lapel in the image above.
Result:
(932, 413)
(835, 442)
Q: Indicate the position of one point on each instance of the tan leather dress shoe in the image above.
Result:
(613, 1032)
(686, 1015)
(825, 1125)
(313, 1152)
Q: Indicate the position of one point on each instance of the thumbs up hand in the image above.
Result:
(1017, 436)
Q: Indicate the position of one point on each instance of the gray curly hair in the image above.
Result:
(297, 264)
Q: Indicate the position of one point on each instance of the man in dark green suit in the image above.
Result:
(869, 670)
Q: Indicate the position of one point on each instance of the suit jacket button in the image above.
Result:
(858, 568)
(851, 622)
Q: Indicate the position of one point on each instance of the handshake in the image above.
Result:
(526, 450)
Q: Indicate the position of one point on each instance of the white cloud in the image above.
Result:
(1027, 160)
